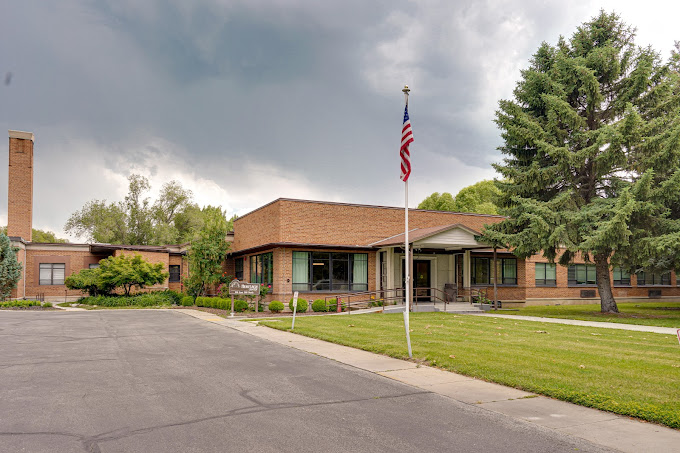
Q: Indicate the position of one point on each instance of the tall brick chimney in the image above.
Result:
(20, 193)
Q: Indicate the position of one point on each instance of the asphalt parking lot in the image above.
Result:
(158, 381)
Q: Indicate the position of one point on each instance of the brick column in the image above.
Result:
(20, 193)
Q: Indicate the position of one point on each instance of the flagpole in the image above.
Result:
(407, 276)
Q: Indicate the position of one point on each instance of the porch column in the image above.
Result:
(389, 262)
(466, 269)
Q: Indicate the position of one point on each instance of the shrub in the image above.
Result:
(333, 305)
(187, 301)
(275, 306)
(174, 296)
(138, 300)
(240, 305)
(19, 303)
(302, 307)
(47, 304)
(319, 305)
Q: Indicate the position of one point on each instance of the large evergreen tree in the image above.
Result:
(591, 154)
(10, 268)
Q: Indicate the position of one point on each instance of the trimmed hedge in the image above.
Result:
(275, 306)
(302, 305)
(187, 301)
(139, 300)
(239, 305)
(20, 304)
(319, 305)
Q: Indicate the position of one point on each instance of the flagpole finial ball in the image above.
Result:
(406, 89)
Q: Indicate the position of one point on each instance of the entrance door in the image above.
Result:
(421, 279)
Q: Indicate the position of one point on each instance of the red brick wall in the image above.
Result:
(20, 198)
(153, 258)
(259, 227)
(74, 261)
(178, 260)
(282, 286)
(307, 222)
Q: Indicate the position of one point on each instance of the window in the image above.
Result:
(238, 268)
(581, 274)
(546, 274)
(94, 265)
(506, 271)
(621, 277)
(174, 273)
(261, 268)
(645, 278)
(324, 271)
(52, 273)
(480, 271)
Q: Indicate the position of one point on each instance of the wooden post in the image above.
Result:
(495, 280)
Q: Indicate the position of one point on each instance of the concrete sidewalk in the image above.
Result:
(602, 428)
(576, 322)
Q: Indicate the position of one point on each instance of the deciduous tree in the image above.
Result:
(125, 271)
(207, 253)
(480, 198)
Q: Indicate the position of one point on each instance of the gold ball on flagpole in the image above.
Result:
(406, 89)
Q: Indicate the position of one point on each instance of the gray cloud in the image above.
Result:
(257, 99)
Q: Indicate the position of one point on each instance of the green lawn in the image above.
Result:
(630, 373)
(663, 314)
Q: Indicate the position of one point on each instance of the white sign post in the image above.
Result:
(295, 297)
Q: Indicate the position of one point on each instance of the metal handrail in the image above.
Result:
(384, 296)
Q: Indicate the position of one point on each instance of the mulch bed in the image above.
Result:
(34, 308)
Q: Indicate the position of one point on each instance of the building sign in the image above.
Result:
(238, 288)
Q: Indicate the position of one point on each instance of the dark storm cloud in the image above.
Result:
(301, 95)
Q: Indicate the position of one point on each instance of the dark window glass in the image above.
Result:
(261, 268)
(581, 274)
(546, 274)
(174, 273)
(238, 268)
(480, 271)
(646, 278)
(52, 273)
(620, 277)
(321, 271)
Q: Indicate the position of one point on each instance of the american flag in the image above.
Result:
(406, 139)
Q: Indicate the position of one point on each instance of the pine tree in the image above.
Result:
(10, 268)
(591, 154)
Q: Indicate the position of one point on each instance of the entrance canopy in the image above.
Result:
(446, 237)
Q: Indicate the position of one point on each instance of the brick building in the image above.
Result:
(45, 266)
(322, 249)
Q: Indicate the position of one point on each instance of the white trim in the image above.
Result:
(58, 247)
(21, 135)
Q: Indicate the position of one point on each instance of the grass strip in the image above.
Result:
(662, 314)
(629, 373)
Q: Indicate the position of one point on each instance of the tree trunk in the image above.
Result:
(604, 286)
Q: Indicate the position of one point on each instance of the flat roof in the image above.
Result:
(296, 200)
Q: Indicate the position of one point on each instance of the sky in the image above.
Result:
(246, 101)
